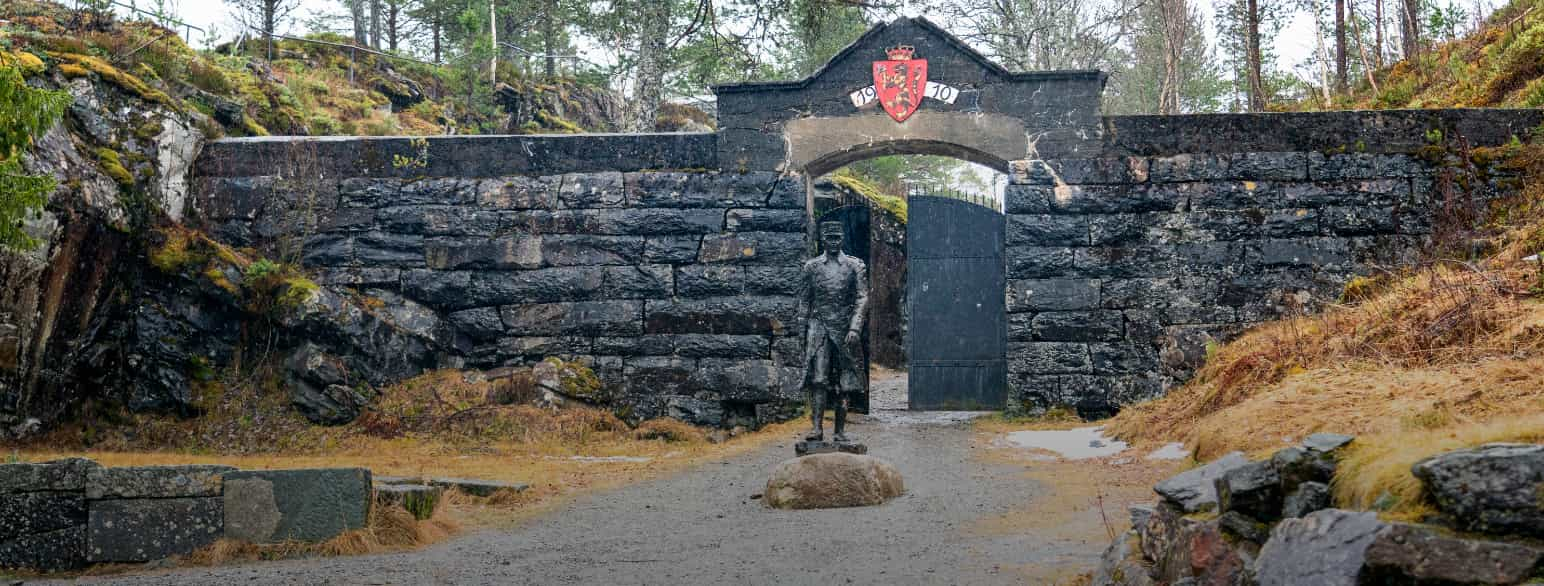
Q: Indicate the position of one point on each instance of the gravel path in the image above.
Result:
(702, 527)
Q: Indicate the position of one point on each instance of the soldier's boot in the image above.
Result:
(817, 404)
(841, 417)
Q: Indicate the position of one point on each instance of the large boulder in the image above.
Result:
(1195, 490)
(1325, 548)
(825, 481)
(1411, 554)
(320, 387)
(1495, 488)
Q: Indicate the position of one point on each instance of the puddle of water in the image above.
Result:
(1071, 444)
(1173, 451)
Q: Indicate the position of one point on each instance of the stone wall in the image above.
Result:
(676, 287)
(1123, 268)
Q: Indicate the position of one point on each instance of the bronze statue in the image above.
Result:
(833, 303)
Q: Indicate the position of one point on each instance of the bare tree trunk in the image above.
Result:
(654, 26)
(393, 17)
(1410, 29)
(1356, 28)
(1252, 48)
(1324, 56)
(493, 33)
(375, 24)
(1174, 14)
(549, 38)
(270, 16)
(1377, 50)
(1340, 46)
(435, 28)
(356, 11)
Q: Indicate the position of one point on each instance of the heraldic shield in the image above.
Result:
(900, 81)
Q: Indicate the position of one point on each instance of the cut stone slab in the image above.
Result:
(1411, 554)
(64, 549)
(418, 499)
(1325, 548)
(1195, 490)
(30, 513)
(68, 474)
(1253, 489)
(476, 487)
(155, 482)
(313, 504)
(838, 479)
(1495, 488)
(1327, 442)
(806, 448)
(141, 530)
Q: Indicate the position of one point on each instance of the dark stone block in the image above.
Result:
(772, 280)
(641, 222)
(382, 249)
(518, 193)
(1290, 223)
(1134, 358)
(648, 345)
(1195, 490)
(360, 277)
(61, 549)
(765, 220)
(1112, 199)
(1048, 358)
(671, 249)
(310, 505)
(1412, 554)
(1047, 230)
(510, 252)
(1038, 262)
(1316, 252)
(1052, 295)
(437, 220)
(482, 323)
(141, 530)
(591, 318)
(592, 190)
(1363, 166)
(1297, 466)
(155, 482)
(807, 448)
(721, 346)
(1027, 199)
(721, 315)
(638, 282)
(68, 474)
(651, 376)
(579, 249)
(753, 247)
(434, 190)
(1306, 498)
(1253, 489)
(1494, 488)
(1078, 326)
(1243, 527)
(709, 280)
(544, 346)
(1359, 221)
(539, 286)
(32, 513)
(737, 379)
(1325, 547)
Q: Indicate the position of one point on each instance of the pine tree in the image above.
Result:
(25, 113)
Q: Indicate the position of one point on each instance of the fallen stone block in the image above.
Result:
(1326, 548)
(806, 448)
(418, 499)
(68, 474)
(1195, 490)
(63, 549)
(1253, 489)
(1411, 554)
(312, 505)
(155, 482)
(476, 487)
(825, 481)
(141, 530)
(1494, 488)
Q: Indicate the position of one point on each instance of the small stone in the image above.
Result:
(1405, 554)
(1253, 489)
(833, 480)
(1327, 442)
(1309, 497)
(1326, 548)
(806, 448)
(1495, 488)
(1244, 527)
(1195, 490)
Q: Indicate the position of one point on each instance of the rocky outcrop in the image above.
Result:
(562, 106)
(1313, 544)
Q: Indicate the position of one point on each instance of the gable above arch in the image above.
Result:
(1052, 112)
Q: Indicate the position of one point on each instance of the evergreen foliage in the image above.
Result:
(25, 113)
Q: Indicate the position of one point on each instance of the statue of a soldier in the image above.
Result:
(833, 304)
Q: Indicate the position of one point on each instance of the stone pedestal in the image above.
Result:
(805, 448)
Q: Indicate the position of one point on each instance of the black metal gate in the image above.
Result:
(955, 294)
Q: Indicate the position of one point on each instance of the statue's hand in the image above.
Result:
(852, 338)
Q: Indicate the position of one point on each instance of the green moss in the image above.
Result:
(558, 123)
(252, 128)
(296, 291)
(28, 63)
(175, 253)
(108, 160)
(895, 206)
(117, 77)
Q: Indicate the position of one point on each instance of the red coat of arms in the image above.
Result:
(900, 82)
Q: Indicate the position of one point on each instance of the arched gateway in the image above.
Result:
(668, 262)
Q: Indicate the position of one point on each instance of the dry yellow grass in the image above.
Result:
(1379, 464)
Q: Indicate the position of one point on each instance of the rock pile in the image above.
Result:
(1234, 521)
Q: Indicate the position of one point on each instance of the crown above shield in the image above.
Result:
(900, 52)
